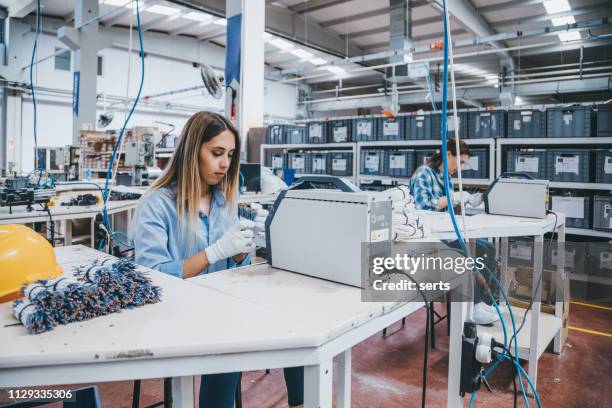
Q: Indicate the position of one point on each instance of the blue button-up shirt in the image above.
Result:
(426, 186)
(162, 243)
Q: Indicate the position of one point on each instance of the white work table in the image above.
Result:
(243, 319)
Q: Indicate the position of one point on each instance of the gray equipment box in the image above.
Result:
(484, 125)
(477, 166)
(319, 162)
(392, 129)
(341, 163)
(277, 160)
(571, 121)
(436, 125)
(399, 163)
(339, 131)
(373, 162)
(316, 132)
(577, 210)
(500, 197)
(526, 123)
(365, 129)
(602, 213)
(600, 259)
(298, 161)
(568, 165)
(604, 121)
(418, 127)
(422, 155)
(603, 166)
(531, 162)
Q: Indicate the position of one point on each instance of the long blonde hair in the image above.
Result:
(183, 168)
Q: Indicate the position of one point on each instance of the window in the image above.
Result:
(100, 65)
(62, 59)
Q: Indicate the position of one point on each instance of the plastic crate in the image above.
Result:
(364, 129)
(373, 162)
(604, 121)
(339, 131)
(422, 155)
(600, 259)
(575, 254)
(602, 213)
(520, 252)
(277, 160)
(568, 165)
(526, 123)
(418, 127)
(298, 161)
(275, 134)
(316, 132)
(531, 162)
(319, 162)
(477, 166)
(341, 163)
(485, 124)
(399, 163)
(436, 125)
(392, 129)
(295, 134)
(577, 210)
(572, 121)
(603, 166)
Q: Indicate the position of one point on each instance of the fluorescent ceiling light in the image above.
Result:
(281, 44)
(303, 54)
(556, 6)
(491, 77)
(563, 20)
(194, 15)
(569, 36)
(165, 10)
(117, 2)
(317, 61)
(335, 70)
(221, 22)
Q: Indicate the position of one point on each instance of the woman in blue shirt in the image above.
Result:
(187, 224)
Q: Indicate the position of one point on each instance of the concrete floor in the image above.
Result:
(387, 372)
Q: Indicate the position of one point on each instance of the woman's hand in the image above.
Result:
(237, 240)
(260, 217)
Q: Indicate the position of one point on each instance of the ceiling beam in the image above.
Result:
(212, 35)
(314, 5)
(508, 5)
(20, 8)
(379, 30)
(365, 15)
(561, 47)
(189, 26)
(430, 36)
(162, 20)
(600, 8)
(126, 12)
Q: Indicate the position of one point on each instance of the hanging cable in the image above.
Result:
(38, 159)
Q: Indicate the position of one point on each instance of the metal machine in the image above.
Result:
(139, 155)
(18, 191)
(519, 197)
(321, 232)
(62, 163)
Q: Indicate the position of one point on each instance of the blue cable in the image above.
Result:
(34, 107)
(521, 370)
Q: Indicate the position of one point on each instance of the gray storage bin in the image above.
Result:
(603, 166)
(602, 213)
(575, 255)
(341, 163)
(600, 259)
(568, 165)
(372, 162)
(477, 167)
(526, 123)
(295, 134)
(275, 134)
(422, 155)
(298, 161)
(316, 132)
(485, 124)
(319, 162)
(399, 163)
(531, 162)
(277, 160)
(365, 129)
(571, 121)
(520, 252)
(392, 129)
(418, 127)
(436, 125)
(577, 210)
(604, 121)
(339, 131)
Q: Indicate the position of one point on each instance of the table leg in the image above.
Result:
(560, 294)
(93, 234)
(343, 390)
(457, 318)
(318, 385)
(535, 309)
(182, 392)
(67, 231)
(503, 269)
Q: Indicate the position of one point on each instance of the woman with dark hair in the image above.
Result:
(187, 224)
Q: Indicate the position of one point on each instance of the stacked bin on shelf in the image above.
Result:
(526, 123)
(339, 131)
(294, 134)
(318, 162)
(575, 254)
(372, 162)
(277, 160)
(604, 121)
(603, 166)
(486, 124)
(568, 165)
(422, 155)
(436, 125)
(341, 163)
(392, 128)
(275, 134)
(577, 210)
(299, 162)
(477, 166)
(418, 127)
(602, 212)
(399, 163)
(364, 129)
(316, 132)
(599, 260)
(571, 121)
(529, 161)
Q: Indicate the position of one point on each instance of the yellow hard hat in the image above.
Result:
(25, 257)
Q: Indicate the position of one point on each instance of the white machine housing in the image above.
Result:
(320, 232)
(517, 197)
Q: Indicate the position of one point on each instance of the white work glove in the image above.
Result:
(260, 217)
(475, 199)
(456, 196)
(237, 240)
